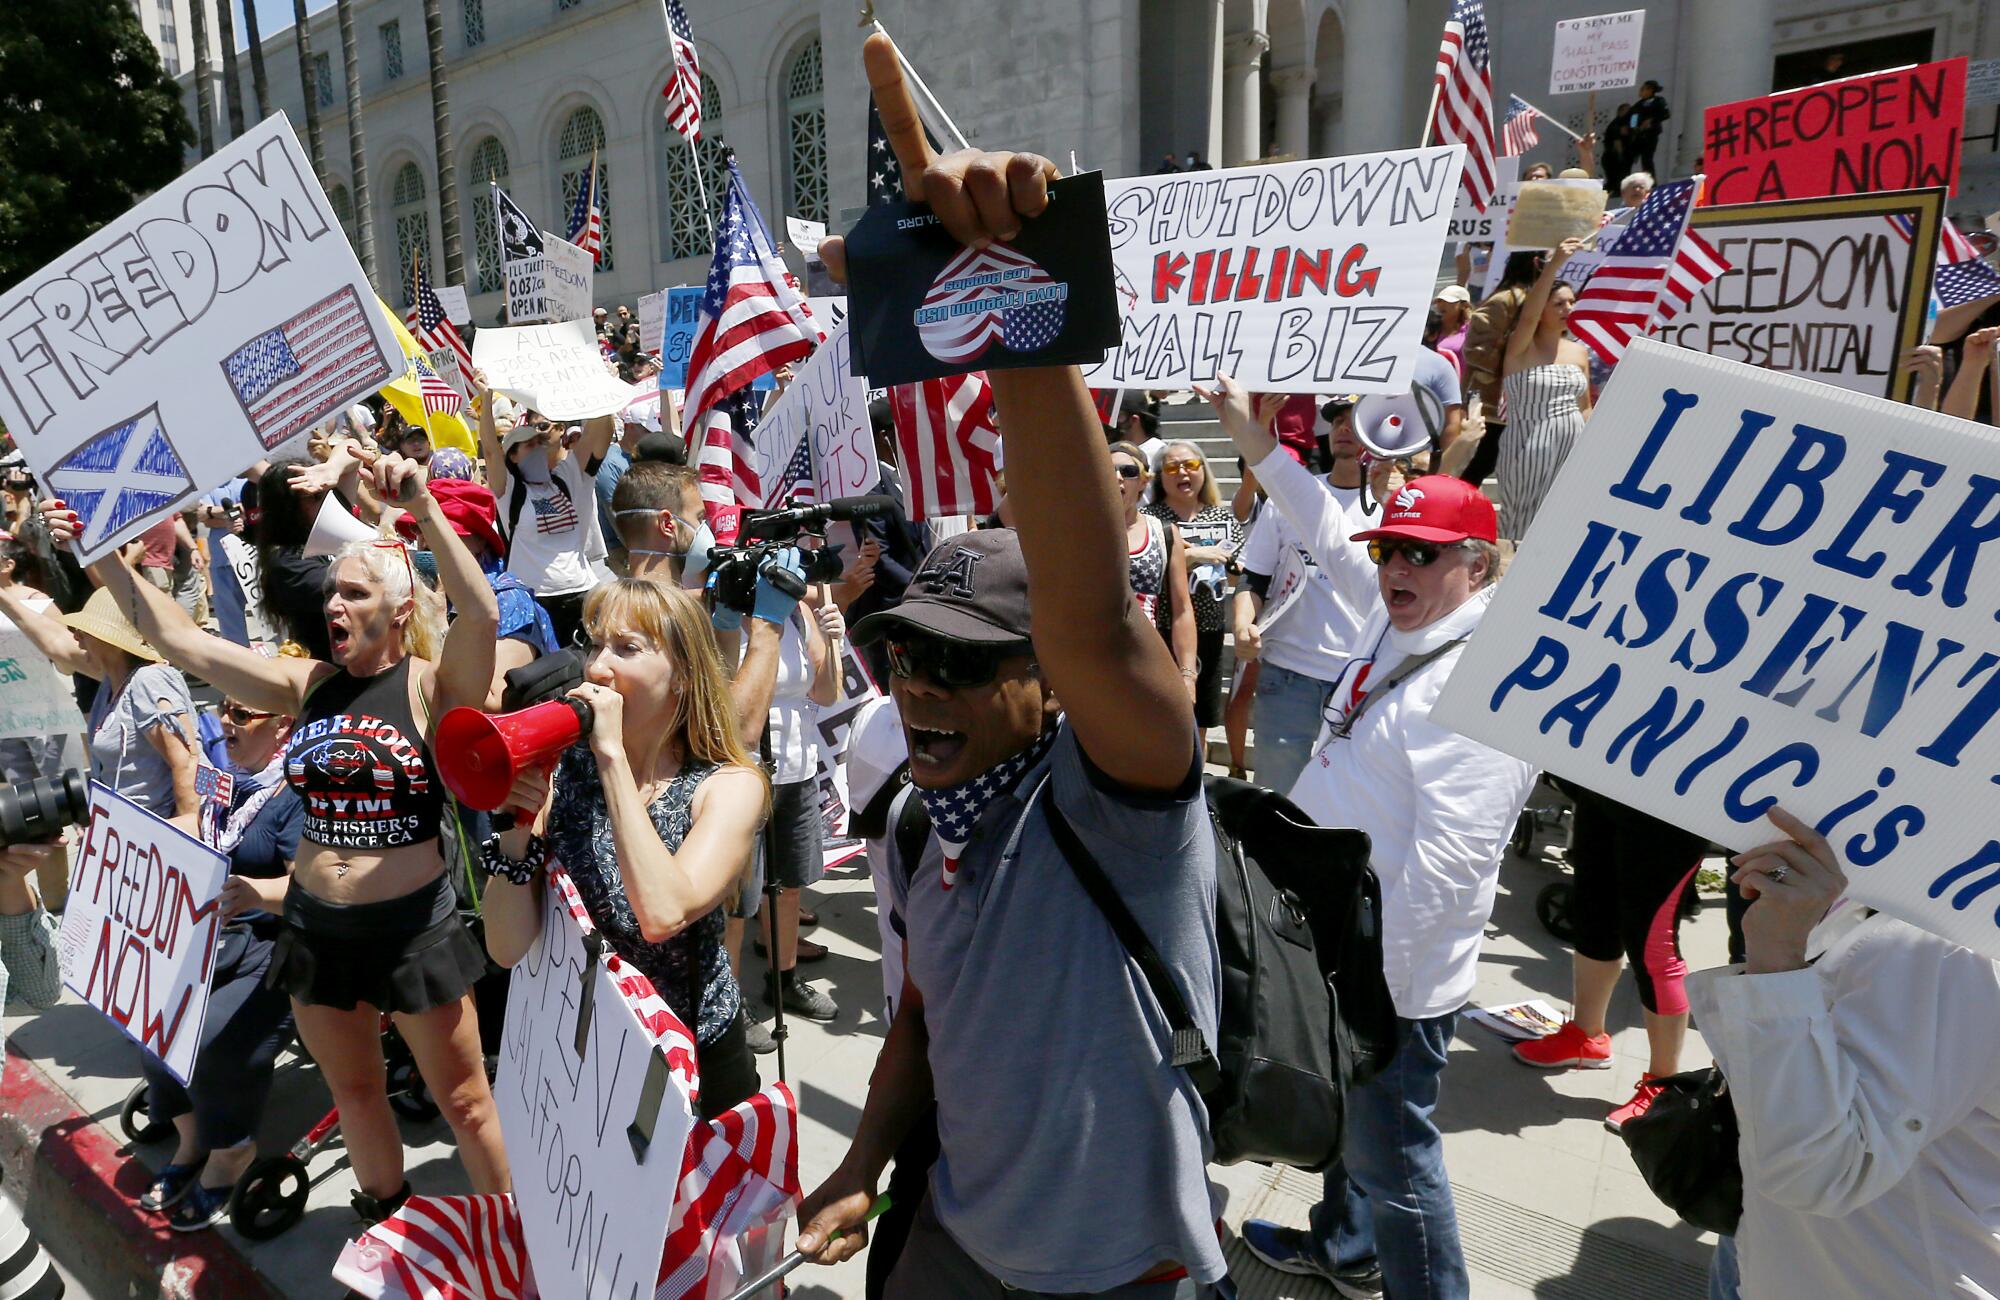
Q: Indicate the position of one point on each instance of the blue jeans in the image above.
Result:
(1725, 1278)
(1285, 715)
(1388, 1197)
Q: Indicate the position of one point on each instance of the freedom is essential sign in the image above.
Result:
(1749, 589)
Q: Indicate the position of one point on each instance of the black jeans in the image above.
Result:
(728, 1070)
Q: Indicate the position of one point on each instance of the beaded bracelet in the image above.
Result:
(518, 871)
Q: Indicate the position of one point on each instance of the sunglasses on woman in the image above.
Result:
(1420, 554)
(1126, 469)
(954, 665)
(241, 715)
(1176, 466)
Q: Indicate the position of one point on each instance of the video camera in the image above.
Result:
(734, 570)
(35, 812)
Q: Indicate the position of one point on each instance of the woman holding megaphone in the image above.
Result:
(654, 814)
(370, 919)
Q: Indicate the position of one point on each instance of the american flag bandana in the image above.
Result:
(956, 810)
(739, 1179)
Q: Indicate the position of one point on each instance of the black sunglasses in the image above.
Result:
(1420, 554)
(954, 665)
(1126, 469)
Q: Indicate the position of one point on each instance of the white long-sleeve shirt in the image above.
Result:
(1438, 808)
(1867, 1090)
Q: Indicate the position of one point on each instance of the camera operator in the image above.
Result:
(1074, 1152)
(654, 814)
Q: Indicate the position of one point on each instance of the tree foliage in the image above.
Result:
(89, 124)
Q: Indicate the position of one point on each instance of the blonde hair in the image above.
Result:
(391, 567)
(1127, 449)
(677, 622)
(1208, 494)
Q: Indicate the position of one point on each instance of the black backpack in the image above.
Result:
(1305, 1005)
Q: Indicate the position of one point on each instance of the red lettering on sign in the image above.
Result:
(1351, 283)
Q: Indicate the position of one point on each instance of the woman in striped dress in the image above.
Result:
(1547, 383)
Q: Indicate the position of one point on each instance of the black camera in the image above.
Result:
(734, 570)
(35, 812)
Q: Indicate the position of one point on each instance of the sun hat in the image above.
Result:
(100, 617)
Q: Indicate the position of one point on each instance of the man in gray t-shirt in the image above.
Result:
(1073, 1153)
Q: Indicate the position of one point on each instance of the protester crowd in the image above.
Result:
(1052, 676)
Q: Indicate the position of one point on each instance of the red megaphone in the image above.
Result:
(480, 755)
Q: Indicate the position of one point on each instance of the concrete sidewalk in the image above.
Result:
(1549, 1203)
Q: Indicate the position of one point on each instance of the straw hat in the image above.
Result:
(100, 617)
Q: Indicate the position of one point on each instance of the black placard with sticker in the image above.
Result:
(921, 305)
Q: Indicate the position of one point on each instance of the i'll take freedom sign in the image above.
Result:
(1749, 589)
(138, 936)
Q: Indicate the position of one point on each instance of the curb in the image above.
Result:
(80, 1191)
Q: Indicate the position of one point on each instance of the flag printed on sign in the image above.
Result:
(947, 439)
(125, 473)
(291, 377)
(995, 294)
(1464, 85)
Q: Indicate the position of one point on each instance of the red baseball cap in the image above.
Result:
(1436, 508)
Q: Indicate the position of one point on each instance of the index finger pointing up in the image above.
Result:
(898, 112)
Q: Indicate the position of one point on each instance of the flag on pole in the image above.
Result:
(1961, 275)
(683, 90)
(1464, 112)
(750, 321)
(796, 485)
(439, 398)
(1517, 133)
(1657, 267)
(586, 220)
(427, 319)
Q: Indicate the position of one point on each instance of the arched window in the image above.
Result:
(685, 232)
(489, 163)
(343, 210)
(581, 136)
(413, 227)
(805, 133)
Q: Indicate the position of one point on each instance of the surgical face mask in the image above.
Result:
(694, 564)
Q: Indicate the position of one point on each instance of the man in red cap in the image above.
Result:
(1438, 809)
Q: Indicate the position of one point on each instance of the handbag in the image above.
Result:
(1685, 1146)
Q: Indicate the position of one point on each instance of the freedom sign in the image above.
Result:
(139, 933)
(1897, 130)
(556, 369)
(1300, 277)
(1600, 53)
(1749, 589)
(205, 328)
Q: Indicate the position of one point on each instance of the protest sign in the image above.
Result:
(1471, 226)
(1830, 289)
(677, 336)
(191, 336)
(1747, 588)
(556, 369)
(825, 410)
(1897, 130)
(527, 290)
(594, 1121)
(139, 933)
(35, 698)
(836, 728)
(566, 270)
(456, 309)
(1544, 213)
(652, 321)
(1295, 278)
(1982, 82)
(1600, 53)
(805, 236)
(245, 623)
(1502, 249)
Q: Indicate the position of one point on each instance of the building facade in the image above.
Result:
(537, 87)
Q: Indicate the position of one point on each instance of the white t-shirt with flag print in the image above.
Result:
(554, 546)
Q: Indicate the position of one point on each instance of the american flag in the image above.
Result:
(948, 440)
(751, 320)
(885, 170)
(1464, 113)
(683, 89)
(1962, 276)
(427, 319)
(439, 397)
(586, 222)
(294, 375)
(1517, 133)
(119, 477)
(1658, 266)
(212, 784)
(797, 485)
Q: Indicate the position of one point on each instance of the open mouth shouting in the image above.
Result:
(933, 749)
(339, 637)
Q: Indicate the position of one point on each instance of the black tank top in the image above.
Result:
(362, 766)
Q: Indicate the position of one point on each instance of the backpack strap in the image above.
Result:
(1390, 682)
(1191, 1051)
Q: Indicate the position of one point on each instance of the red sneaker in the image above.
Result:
(1642, 1101)
(1568, 1048)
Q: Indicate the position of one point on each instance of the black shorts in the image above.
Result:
(796, 856)
(1630, 871)
(408, 954)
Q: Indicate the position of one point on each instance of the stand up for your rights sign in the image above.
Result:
(1297, 278)
(1899, 130)
(1748, 589)
(205, 328)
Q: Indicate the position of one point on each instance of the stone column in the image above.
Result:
(1728, 45)
(1242, 108)
(1372, 74)
(1294, 90)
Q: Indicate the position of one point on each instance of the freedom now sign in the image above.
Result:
(1749, 589)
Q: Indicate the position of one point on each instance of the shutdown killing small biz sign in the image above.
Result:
(1749, 589)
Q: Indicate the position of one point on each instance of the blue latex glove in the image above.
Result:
(774, 604)
(725, 619)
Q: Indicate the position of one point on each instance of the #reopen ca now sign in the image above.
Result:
(1749, 589)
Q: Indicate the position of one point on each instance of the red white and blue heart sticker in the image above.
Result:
(988, 295)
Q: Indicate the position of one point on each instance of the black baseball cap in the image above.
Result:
(972, 588)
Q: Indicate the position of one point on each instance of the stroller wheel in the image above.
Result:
(270, 1197)
(408, 1096)
(136, 1119)
(1552, 909)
